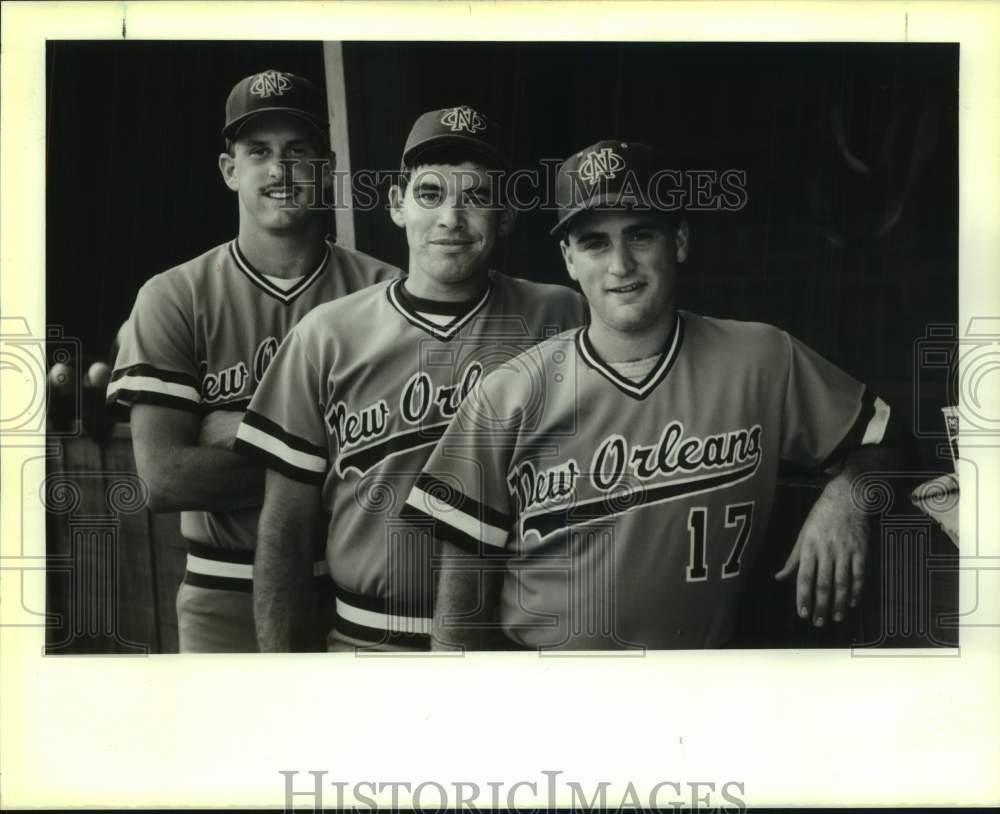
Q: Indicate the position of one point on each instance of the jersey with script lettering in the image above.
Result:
(355, 400)
(201, 335)
(630, 512)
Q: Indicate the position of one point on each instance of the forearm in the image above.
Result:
(862, 461)
(205, 478)
(282, 585)
(468, 595)
(187, 460)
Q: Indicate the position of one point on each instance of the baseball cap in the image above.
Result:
(610, 174)
(460, 126)
(273, 91)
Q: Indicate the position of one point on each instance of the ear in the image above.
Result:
(567, 253)
(227, 166)
(396, 195)
(329, 168)
(682, 241)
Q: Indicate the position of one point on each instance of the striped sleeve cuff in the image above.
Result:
(145, 384)
(871, 427)
(458, 518)
(261, 438)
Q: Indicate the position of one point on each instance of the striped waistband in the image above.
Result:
(226, 569)
(377, 621)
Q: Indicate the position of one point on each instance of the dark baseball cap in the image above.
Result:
(460, 126)
(611, 174)
(274, 91)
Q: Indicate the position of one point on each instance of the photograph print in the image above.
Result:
(517, 346)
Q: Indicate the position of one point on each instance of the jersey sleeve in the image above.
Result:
(563, 309)
(283, 426)
(156, 361)
(359, 270)
(462, 489)
(826, 412)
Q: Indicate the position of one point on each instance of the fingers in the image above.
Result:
(830, 578)
(789, 567)
(793, 560)
(857, 577)
(824, 586)
(842, 584)
(804, 582)
(839, 577)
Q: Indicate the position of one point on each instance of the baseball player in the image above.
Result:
(201, 335)
(611, 487)
(377, 377)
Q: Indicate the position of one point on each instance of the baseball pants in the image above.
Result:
(215, 602)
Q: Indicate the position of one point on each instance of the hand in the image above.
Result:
(830, 555)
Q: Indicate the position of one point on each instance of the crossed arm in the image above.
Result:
(180, 473)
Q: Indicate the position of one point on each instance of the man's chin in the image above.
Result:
(289, 220)
(631, 322)
(455, 272)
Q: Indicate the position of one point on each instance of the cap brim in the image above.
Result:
(232, 129)
(473, 145)
(609, 200)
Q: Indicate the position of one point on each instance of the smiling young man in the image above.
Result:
(626, 509)
(376, 378)
(201, 335)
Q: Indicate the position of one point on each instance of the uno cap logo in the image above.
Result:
(270, 83)
(463, 118)
(602, 163)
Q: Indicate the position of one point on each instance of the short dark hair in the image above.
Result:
(450, 155)
(447, 155)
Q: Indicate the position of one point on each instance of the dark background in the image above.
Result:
(849, 243)
(848, 240)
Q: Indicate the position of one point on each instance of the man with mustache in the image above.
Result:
(201, 335)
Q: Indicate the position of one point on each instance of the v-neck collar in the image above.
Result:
(261, 281)
(637, 390)
(409, 307)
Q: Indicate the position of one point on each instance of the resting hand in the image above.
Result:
(830, 555)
